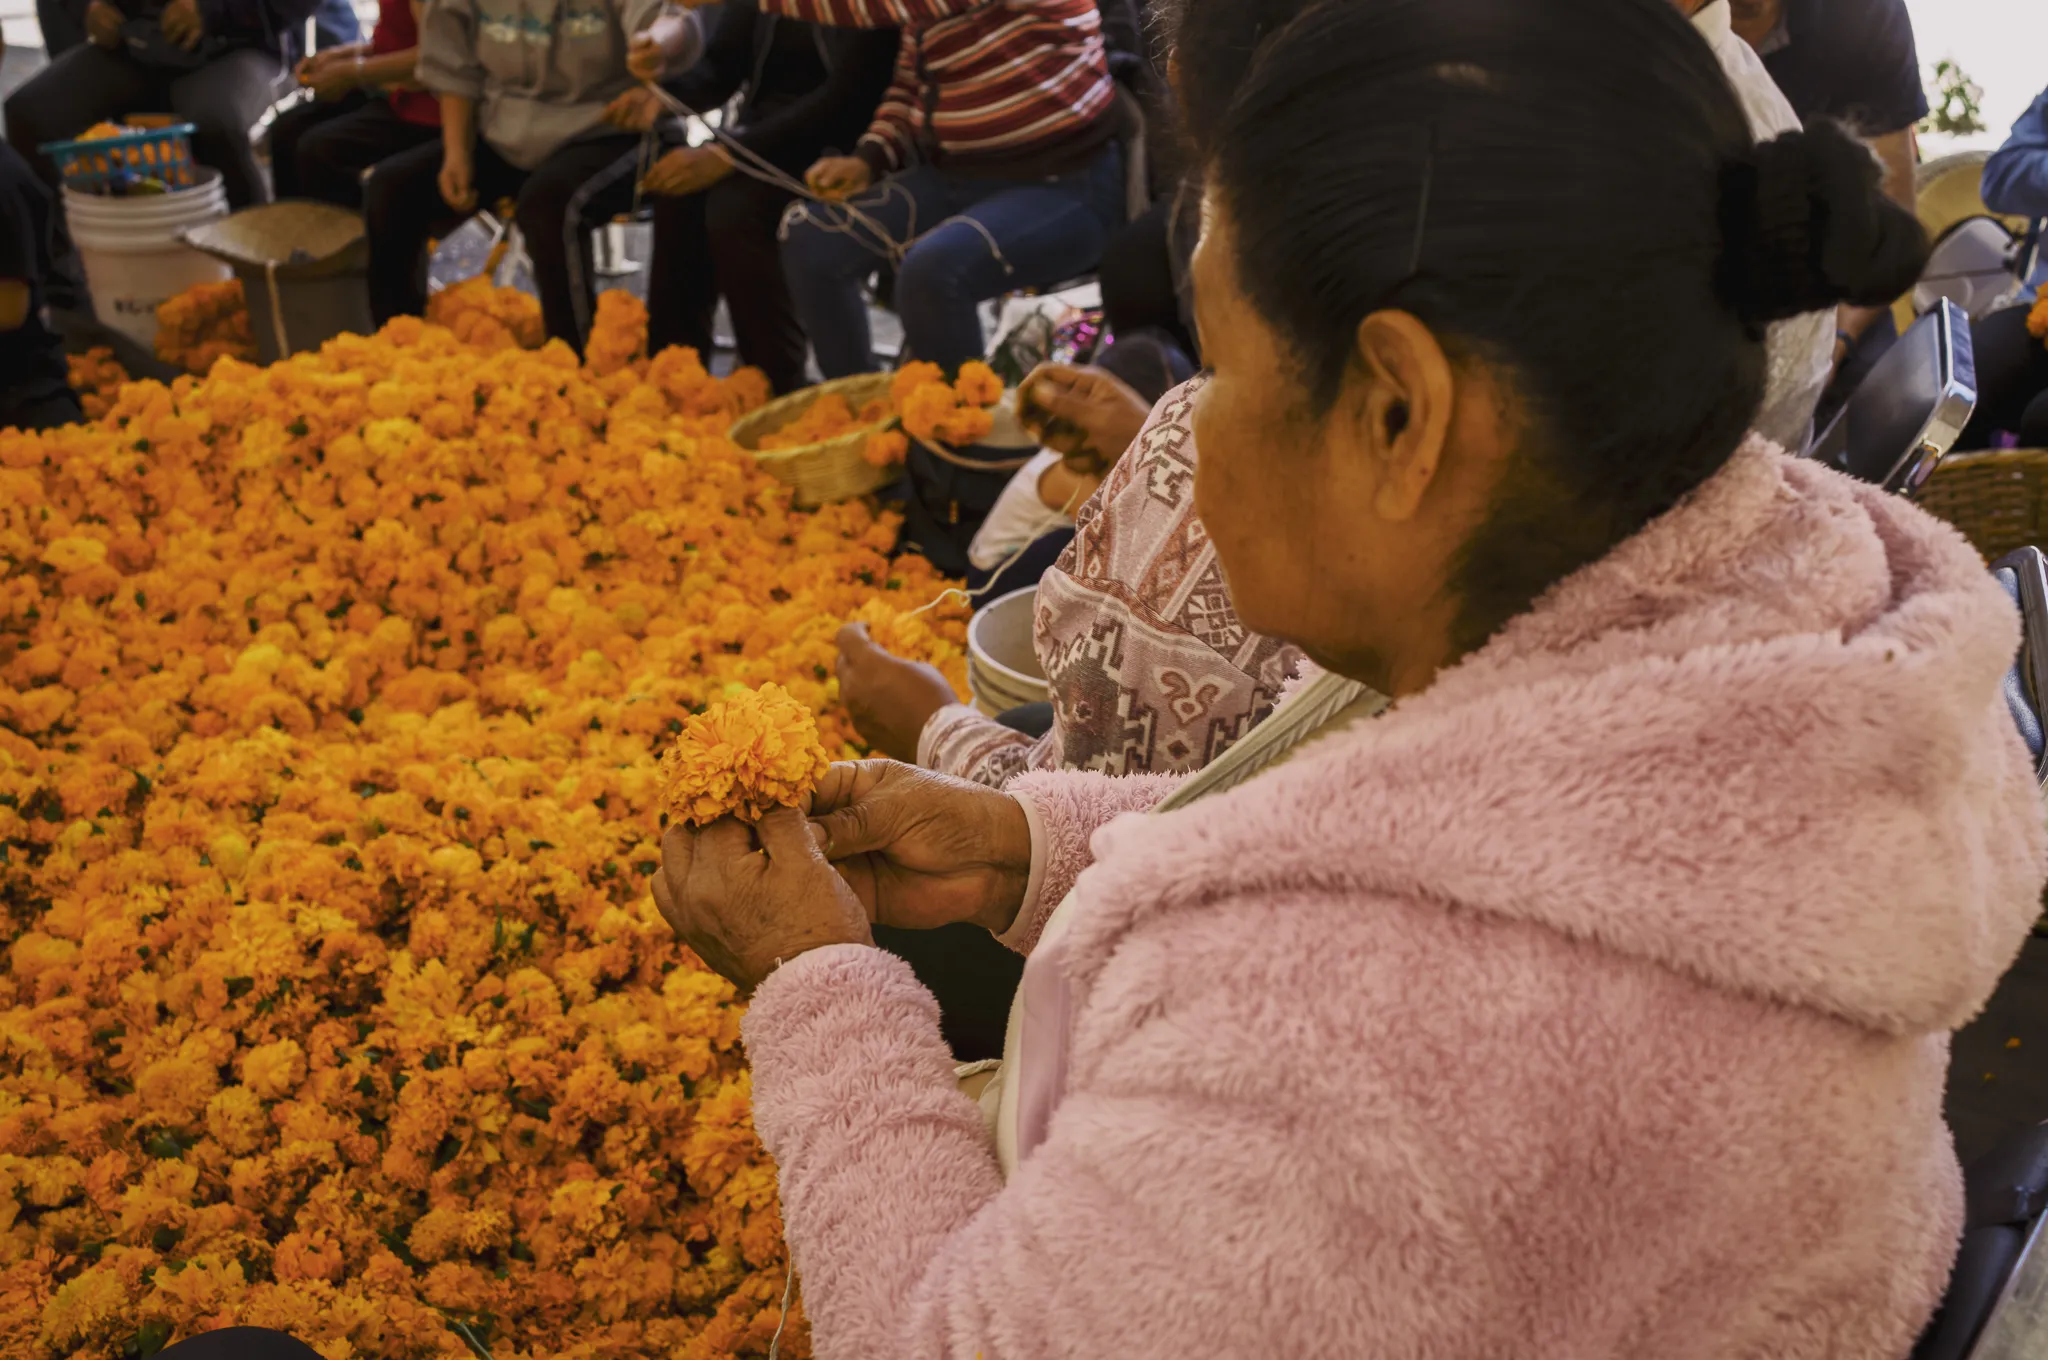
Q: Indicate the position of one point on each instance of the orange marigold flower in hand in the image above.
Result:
(755, 751)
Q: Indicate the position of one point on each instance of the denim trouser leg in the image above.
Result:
(827, 257)
(1003, 237)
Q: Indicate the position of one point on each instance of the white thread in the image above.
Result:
(788, 1285)
(1052, 520)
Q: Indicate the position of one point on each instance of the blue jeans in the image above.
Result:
(974, 239)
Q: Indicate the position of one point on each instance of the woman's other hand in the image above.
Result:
(839, 177)
(748, 898)
(182, 23)
(889, 698)
(1087, 416)
(687, 170)
(103, 24)
(922, 850)
(634, 111)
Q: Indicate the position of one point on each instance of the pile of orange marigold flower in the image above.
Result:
(206, 322)
(96, 376)
(331, 696)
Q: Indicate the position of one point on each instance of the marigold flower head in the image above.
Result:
(756, 750)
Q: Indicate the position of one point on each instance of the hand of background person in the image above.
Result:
(889, 698)
(334, 77)
(1086, 415)
(687, 170)
(458, 180)
(839, 177)
(634, 111)
(182, 24)
(922, 850)
(748, 898)
(103, 24)
(644, 58)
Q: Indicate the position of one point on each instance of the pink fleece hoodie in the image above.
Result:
(1594, 1003)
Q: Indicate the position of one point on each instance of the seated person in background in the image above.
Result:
(807, 88)
(1855, 61)
(1382, 1051)
(216, 64)
(993, 156)
(35, 386)
(1802, 350)
(523, 96)
(1033, 520)
(2016, 176)
(1151, 671)
(362, 112)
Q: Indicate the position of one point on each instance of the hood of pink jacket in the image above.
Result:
(1762, 744)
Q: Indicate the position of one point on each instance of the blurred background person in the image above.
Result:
(805, 89)
(523, 97)
(365, 108)
(217, 64)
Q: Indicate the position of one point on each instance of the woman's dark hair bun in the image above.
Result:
(1806, 226)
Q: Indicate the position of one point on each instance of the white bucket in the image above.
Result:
(133, 258)
(1002, 657)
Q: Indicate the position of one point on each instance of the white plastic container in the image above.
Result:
(133, 258)
(1002, 658)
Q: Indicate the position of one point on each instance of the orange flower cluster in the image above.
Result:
(828, 417)
(488, 317)
(202, 324)
(334, 1000)
(930, 408)
(96, 376)
(2037, 319)
(755, 751)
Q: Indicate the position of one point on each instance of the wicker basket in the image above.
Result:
(1994, 498)
(832, 469)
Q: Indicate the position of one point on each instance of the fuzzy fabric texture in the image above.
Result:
(1593, 1003)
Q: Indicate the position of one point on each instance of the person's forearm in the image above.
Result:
(386, 68)
(1900, 154)
(458, 124)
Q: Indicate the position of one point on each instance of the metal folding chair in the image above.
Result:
(1906, 416)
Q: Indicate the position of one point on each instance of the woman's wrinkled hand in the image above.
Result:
(750, 898)
(1086, 415)
(890, 699)
(922, 850)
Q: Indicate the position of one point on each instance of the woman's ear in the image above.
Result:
(1410, 392)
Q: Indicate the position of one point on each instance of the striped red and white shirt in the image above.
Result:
(980, 80)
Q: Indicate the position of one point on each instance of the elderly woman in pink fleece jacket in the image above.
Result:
(1592, 1001)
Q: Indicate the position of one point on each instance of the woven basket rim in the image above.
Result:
(794, 405)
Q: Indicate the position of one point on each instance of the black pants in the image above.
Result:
(321, 149)
(724, 241)
(40, 413)
(561, 201)
(972, 977)
(222, 100)
(239, 1343)
(2012, 382)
